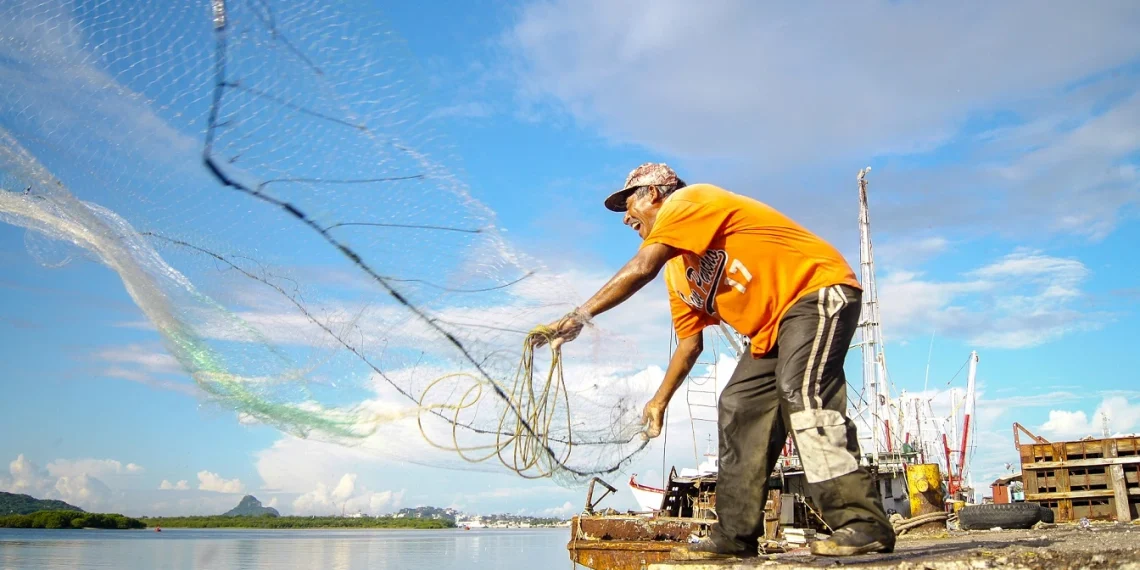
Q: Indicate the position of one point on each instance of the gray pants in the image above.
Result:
(799, 385)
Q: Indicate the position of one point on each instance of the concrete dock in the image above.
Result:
(1069, 546)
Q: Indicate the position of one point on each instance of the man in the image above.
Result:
(734, 259)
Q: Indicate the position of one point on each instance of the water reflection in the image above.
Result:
(26, 549)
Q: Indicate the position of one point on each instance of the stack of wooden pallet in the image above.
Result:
(1097, 479)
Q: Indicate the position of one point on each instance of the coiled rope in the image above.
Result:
(534, 404)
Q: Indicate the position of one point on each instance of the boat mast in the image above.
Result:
(920, 442)
(969, 402)
(871, 341)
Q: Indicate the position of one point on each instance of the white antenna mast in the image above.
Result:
(874, 360)
(929, 354)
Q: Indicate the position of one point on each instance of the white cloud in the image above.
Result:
(76, 488)
(149, 365)
(1123, 417)
(623, 67)
(294, 465)
(346, 497)
(996, 405)
(1021, 300)
(318, 478)
(767, 90)
(94, 467)
(25, 477)
(469, 110)
(182, 485)
(529, 490)
(144, 357)
(1067, 423)
(56, 83)
(909, 252)
(484, 324)
(83, 491)
(208, 481)
(564, 511)
(1085, 176)
(515, 496)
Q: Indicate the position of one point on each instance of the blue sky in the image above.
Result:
(1004, 193)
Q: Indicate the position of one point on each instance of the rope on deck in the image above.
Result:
(902, 525)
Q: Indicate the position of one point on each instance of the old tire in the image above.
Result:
(1012, 515)
(1046, 514)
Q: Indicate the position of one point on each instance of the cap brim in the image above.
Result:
(616, 201)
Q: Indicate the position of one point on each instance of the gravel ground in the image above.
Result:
(1061, 547)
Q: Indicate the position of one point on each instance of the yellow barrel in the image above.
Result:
(924, 487)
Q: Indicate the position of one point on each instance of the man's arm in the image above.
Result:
(636, 273)
(688, 349)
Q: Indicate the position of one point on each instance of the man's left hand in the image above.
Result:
(653, 417)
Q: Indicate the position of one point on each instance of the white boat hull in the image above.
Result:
(648, 498)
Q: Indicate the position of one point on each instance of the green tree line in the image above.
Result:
(69, 519)
(269, 521)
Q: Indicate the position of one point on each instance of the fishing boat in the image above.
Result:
(650, 498)
(647, 497)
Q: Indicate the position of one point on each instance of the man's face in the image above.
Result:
(641, 212)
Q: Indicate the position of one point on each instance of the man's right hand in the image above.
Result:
(563, 330)
(654, 416)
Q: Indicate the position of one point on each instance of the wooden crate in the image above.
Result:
(1098, 479)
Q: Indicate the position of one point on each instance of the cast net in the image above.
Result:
(269, 182)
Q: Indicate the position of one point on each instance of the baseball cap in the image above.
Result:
(648, 174)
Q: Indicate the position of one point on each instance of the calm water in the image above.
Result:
(26, 549)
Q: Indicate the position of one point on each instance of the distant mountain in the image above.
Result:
(13, 504)
(251, 507)
(428, 513)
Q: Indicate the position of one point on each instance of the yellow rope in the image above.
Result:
(522, 450)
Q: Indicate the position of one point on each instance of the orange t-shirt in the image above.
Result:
(742, 262)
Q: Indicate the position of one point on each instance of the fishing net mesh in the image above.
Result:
(269, 182)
